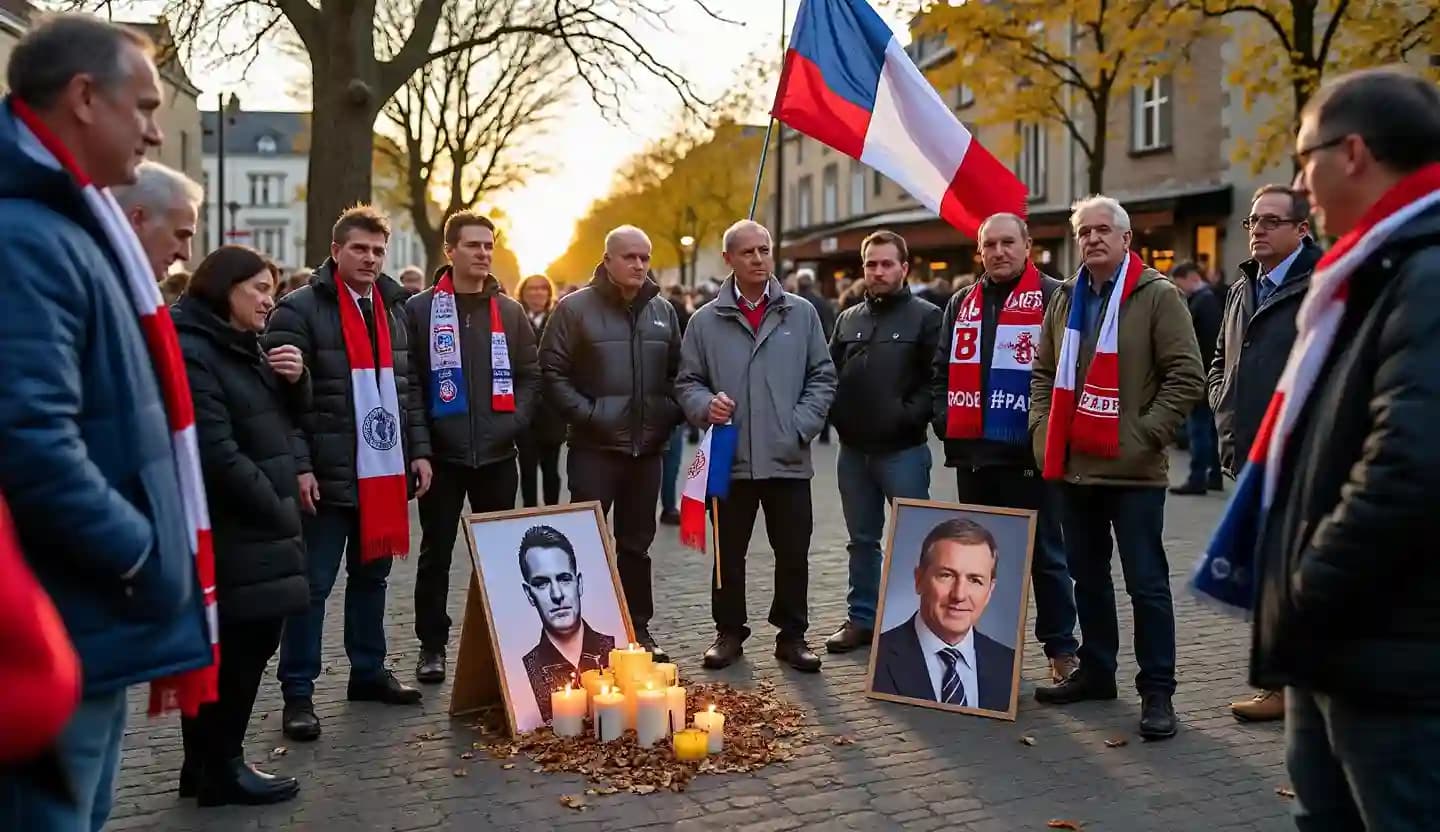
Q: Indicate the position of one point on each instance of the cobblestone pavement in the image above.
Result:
(909, 768)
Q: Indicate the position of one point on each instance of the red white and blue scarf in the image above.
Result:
(1005, 414)
(1090, 425)
(1225, 576)
(185, 692)
(449, 394)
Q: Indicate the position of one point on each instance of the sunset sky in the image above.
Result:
(584, 148)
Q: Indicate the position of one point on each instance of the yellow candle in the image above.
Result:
(567, 709)
(652, 715)
(691, 744)
(592, 681)
(669, 671)
(712, 722)
(675, 704)
(626, 663)
(609, 714)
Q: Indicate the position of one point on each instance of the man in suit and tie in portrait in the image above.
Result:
(938, 655)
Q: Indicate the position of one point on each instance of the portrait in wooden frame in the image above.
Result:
(948, 608)
(546, 628)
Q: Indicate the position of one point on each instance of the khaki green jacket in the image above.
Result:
(1160, 381)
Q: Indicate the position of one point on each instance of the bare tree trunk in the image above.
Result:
(1100, 134)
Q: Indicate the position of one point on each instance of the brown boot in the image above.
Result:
(1266, 706)
(1062, 666)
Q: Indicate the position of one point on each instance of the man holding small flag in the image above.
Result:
(1117, 371)
(1330, 535)
(757, 355)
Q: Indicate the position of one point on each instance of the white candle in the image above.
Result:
(628, 664)
(675, 704)
(712, 722)
(652, 715)
(669, 671)
(567, 709)
(609, 715)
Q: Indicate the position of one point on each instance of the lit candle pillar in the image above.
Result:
(652, 715)
(593, 681)
(712, 722)
(609, 715)
(567, 708)
(628, 663)
(670, 672)
(691, 744)
(675, 705)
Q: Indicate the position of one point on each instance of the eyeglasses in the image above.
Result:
(1268, 222)
(1305, 152)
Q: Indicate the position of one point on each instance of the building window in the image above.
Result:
(1151, 108)
(267, 189)
(265, 145)
(1030, 164)
(879, 187)
(799, 148)
(964, 97)
(805, 203)
(270, 241)
(184, 151)
(830, 194)
(857, 189)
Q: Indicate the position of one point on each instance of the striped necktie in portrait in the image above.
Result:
(952, 690)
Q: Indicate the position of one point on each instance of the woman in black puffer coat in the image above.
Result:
(245, 406)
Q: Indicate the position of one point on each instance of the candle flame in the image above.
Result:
(712, 709)
(604, 690)
(567, 687)
(650, 685)
(633, 645)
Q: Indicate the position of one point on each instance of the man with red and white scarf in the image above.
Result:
(1117, 371)
(363, 441)
(980, 389)
(98, 456)
(1331, 534)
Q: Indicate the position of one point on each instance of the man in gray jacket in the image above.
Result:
(756, 355)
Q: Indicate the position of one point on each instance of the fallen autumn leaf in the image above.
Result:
(1027, 740)
(1116, 742)
(1065, 824)
(1285, 792)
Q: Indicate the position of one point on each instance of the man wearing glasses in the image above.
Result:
(1256, 333)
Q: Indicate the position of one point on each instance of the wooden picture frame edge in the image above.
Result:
(477, 564)
(904, 502)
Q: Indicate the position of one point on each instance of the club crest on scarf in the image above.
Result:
(1003, 414)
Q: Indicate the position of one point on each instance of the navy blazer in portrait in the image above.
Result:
(900, 668)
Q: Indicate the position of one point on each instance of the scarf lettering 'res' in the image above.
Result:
(187, 691)
(449, 395)
(1004, 415)
(1091, 424)
(379, 452)
(1225, 576)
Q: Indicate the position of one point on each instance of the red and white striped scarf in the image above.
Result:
(186, 691)
(1091, 424)
(379, 449)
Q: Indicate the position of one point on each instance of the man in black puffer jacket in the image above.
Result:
(309, 318)
(882, 350)
(472, 434)
(609, 358)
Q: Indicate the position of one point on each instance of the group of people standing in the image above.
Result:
(185, 482)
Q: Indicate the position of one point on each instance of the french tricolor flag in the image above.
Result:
(707, 478)
(847, 82)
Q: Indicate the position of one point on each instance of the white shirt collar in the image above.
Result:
(1277, 274)
(932, 644)
(369, 290)
(746, 304)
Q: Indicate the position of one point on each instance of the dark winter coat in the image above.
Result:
(610, 367)
(972, 454)
(245, 417)
(479, 436)
(547, 426)
(309, 318)
(1205, 307)
(1349, 583)
(1250, 353)
(86, 457)
(882, 351)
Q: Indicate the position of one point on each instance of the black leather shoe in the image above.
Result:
(1157, 717)
(1189, 488)
(237, 782)
(431, 669)
(1081, 686)
(670, 518)
(850, 636)
(386, 689)
(723, 653)
(300, 722)
(189, 778)
(798, 655)
(1216, 483)
(644, 639)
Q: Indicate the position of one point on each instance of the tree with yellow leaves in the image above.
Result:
(1066, 62)
(1299, 42)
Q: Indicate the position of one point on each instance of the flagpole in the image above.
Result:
(769, 131)
(715, 531)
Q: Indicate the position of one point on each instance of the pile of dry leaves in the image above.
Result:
(758, 728)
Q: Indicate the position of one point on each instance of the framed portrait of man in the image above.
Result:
(953, 598)
(552, 599)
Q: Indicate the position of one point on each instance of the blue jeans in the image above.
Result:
(333, 533)
(1204, 445)
(1358, 766)
(868, 482)
(670, 469)
(1013, 487)
(1137, 514)
(89, 752)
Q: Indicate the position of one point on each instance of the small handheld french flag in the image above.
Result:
(707, 478)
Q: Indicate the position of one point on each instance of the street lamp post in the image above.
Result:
(686, 243)
(224, 111)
